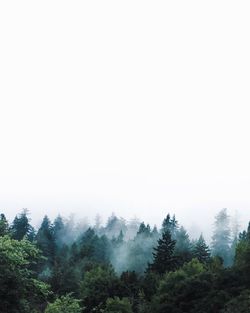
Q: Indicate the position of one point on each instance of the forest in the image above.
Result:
(68, 266)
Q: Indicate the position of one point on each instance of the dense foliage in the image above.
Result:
(122, 267)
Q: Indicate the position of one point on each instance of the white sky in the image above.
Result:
(137, 107)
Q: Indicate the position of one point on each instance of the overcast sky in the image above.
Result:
(136, 107)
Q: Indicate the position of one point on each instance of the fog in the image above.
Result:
(135, 108)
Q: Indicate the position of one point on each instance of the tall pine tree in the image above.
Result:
(45, 239)
(4, 226)
(163, 255)
(201, 250)
(171, 225)
(21, 227)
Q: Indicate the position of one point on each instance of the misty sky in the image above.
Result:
(136, 107)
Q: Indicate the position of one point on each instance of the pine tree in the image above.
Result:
(221, 240)
(21, 227)
(183, 248)
(166, 224)
(245, 235)
(58, 231)
(171, 225)
(144, 230)
(45, 239)
(4, 226)
(201, 251)
(163, 257)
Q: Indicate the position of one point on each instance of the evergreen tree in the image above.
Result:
(221, 240)
(87, 243)
(58, 230)
(201, 250)
(183, 247)
(171, 225)
(245, 234)
(166, 224)
(163, 257)
(21, 227)
(242, 254)
(45, 239)
(98, 285)
(4, 226)
(144, 230)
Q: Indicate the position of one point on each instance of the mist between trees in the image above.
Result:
(121, 266)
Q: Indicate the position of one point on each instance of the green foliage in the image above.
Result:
(239, 304)
(181, 277)
(117, 305)
(242, 253)
(183, 247)
(164, 259)
(58, 230)
(20, 291)
(144, 230)
(172, 279)
(98, 285)
(177, 290)
(45, 240)
(94, 247)
(171, 225)
(242, 256)
(21, 227)
(201, 251)
(4, 226)
(64, 304)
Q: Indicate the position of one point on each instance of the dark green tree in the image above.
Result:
(4, 226)
(163, 255)
(242, 254)
(130, 287)
(98, 285)
(245, 235)
(183, 247)
(20, 291)
(201, 251)
(58, 230)
(94, 248)
(239, 304)
(170, 224)
(45, 240)
(21, 227)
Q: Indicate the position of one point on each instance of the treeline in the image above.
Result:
(122, 267)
